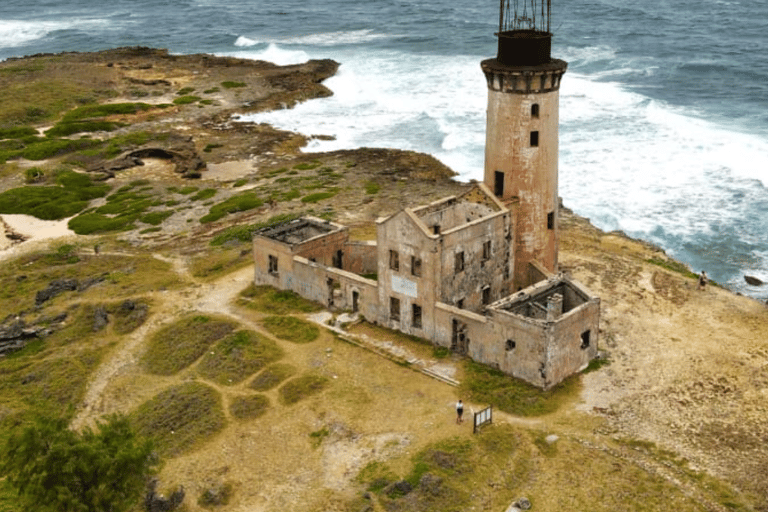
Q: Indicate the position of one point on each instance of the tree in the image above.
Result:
(56, 469)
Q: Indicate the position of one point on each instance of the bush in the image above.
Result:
(56, 147)
(180, 418)
(65, 129)
(232, 85)
(204, 194)
(238, 203)
(55, 468)
(107, 109)
(186, 100)
(17, 132)
(176, 346)
(155, 218)
(318, 196)
(238, 356)
(89, 223)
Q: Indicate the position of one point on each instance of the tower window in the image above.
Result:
(416, 266)
(272, 264)
(394, 260)
(459, 262)
(416, 316)
(487, 295)
(486, 250)
(585, 339)
(534, 139)
(510, 345)
(436, 229)
(498, 183)
(394, 309)
(535, 110)
(551, 220)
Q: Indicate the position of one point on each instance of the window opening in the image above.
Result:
(459, 262)
(535, 110)
(585, 339)
(394, 309)
(355, 301)
(272, 264)
(394, 260)
(416, 266)
(534, 139)
(498, 183)
(487, 295)
(416, 316)
(510, 345)
(436, 229)
(486, 250)
(551, 220)
(460, 303)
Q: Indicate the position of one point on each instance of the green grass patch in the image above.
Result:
(221, 261)
(238, 356)
(483, 384)
(291, 329)
(248, 407)
(204, 194)
(318, 435)
(155, 218)
(371, 187)
(185, 100)
(300, 388)
(181, 418)
(308, 166)
(17, 132)
(65, 129)
(50, 148)
(211, 90)
(103, 110)
(206, 102)
(178, 345)
(277, 302)
(318, 196)
(91, 223)
(245, 233)
(210, 147)
(596, 364)
(238, 203)
(240, 183)
(674, 266)
(232, 85)
(272, 376)
(71, 195)
(185, 191)
(34, 175)
(185, 90)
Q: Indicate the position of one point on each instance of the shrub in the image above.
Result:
(238, 356)
(204, 194)
(56, 147)
(176, 346)
(17, 132)
(185, 100)
(89, 223)
(306, 166)
(318, 196)
(180, 418)
(155, 218)
(290, 328)
(107, 109)
(232, 85)
(34, 175)
(272, 376)
(64, 129)
(248, 407)
(238, 203)
(302, 387)
(278, 302)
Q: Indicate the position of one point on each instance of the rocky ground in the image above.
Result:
(687, 371)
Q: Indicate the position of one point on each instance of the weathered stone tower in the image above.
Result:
(522, 131)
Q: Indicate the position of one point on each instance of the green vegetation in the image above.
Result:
(249, 407)
(54, 468)
(155, 218)
(176, 346)
(34, 175)
(272, 376)
(204, 194)
(240, 183)
(237, 203)
(70, 195)
(220, 261)
(483, 384)
(210, 147)
(674, 266)
(278, 302)
(65, 129)
(245, 233)
(318, 435)
(185, 90)
(291, 329)
(102, 110)
(232, 85)
(211, 90)
(185, 100)
(181, 418)
(318, 196)
(17, 132)
(238, 356)
(371, 187)
(596, 364)
(302, 387)
(49, 148)
(307, 166)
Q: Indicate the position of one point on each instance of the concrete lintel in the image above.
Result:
(460, 312)
(336, 271)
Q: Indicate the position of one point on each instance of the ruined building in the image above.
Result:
(475, 273)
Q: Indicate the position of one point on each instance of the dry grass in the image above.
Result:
(238, 356)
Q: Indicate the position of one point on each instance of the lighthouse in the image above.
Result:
(521, 148)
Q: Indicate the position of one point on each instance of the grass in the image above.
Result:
(277, 302)
(300, 388)
(674, 266)
(237, 203)
(155, 218)
(371, 187)
(232, 85)
(69, 196)
(186, 100)
(291, 329)
(102, 110)
(220, 261)
(17, 132)
(245, 233)
(66, 129)
(210, 147)
(307, 166)
(238, 356)
(127, 316)
(483, 384)
(318, 196)
(204, 194)
(272, 376)
(248, 407)
(180, 418)
(176, 346)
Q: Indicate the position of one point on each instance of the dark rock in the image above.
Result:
(55, 287)
(87, 283)
(154, 502)
(100, 318)
(753, 281)
(444, 460)
(128, 305)
(522, 504)
(397, 489)
(431, 484)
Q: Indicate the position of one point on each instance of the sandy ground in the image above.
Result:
(36, 233)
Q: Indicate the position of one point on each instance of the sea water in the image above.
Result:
(663, 110)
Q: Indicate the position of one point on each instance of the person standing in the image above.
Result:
(459, 411)
(702, 280)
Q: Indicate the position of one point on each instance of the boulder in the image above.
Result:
(751, 280)
(54, 288)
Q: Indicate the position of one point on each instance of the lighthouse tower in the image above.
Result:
(522, 132)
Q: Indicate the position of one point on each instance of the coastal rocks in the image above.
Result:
(15, 333)
(751, 280)
(59, 286)
(179, 149)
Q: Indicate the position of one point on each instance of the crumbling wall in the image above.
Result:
(361, 257)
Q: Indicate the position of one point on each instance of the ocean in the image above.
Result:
(664, 108)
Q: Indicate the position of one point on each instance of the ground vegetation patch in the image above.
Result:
(291, 329)
(238, 356)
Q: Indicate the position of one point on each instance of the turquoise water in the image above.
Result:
(664, 109)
